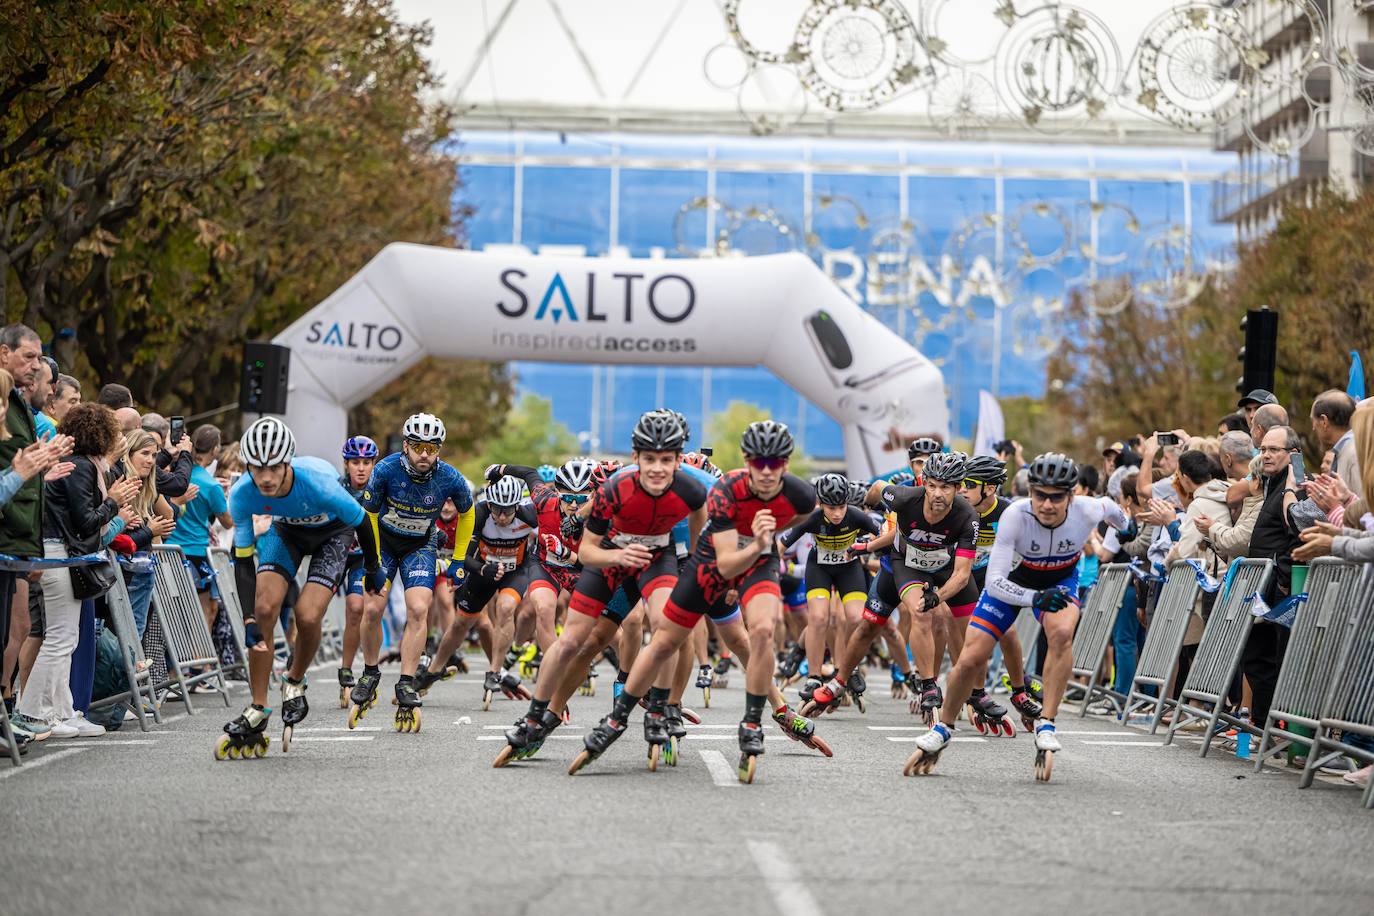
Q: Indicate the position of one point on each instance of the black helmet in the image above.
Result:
(986, 469)
(1054, 470)
(858, 493)
(946, 467)
(681, 418)
(658, 431)
(832, 489)
(766, 439)
(922, 447)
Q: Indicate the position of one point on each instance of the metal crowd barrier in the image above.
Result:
(138, 671)
(189, 643)
(1163, 642)
(1335, 592)
(1348, 706)
(1094, 632)
(1028, 629)
(1218, 655)
(223, 565)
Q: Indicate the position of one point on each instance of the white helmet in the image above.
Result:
(424, 427)
(506, 493)
(575, 475)
(267, 442)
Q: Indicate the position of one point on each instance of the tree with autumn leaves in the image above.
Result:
(177, 178)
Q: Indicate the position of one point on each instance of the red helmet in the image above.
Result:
(605, 469)
(702, 463)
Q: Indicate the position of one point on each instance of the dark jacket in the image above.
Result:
(173, 474)
(1273, 538)
(74, 510)
(21, 528)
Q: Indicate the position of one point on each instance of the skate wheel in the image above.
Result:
(747, 765)
(343, 697)
(845, 700)
(673, 748)
(820, 744)
(914, 706)
(286, 739)
(1029, 724)
(506, 756)
(1008, 730)
(583, 758)
(859, 702)
(234, 750)
(808, 709)
(1044, 765)
(706, 697)
(486, 701)
(655, 753)
(591, 688)
(691, 716)
(978, 723)
(355, 715)
(567, 715)
(222, 748)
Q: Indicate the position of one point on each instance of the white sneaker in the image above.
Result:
(63, 730)
(85, 728)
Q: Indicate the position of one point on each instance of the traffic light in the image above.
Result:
(1260, 353)
(266, 371)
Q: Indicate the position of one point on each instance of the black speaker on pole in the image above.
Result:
(266, 373)
(1260, 353)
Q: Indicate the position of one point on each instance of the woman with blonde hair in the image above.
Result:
(152, 520)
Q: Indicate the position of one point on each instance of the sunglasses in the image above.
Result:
(575, 499)
(424, 448)
(766, 464)
(1053, 497)
(973, 484)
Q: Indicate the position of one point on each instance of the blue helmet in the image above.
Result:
(547, 472)
(359, 447)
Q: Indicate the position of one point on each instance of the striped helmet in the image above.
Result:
(267, 442)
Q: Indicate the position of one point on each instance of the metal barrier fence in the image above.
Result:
(1158, 661)
(1094, 632)
(1323, 621)
(223, 565)
(1218, 655)
(137, 668)
(189, 644)
(1028, 629)
(1348, 706)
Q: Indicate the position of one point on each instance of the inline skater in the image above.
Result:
(404, 497)
(983, 478)
(1047, 531)
(626, 544)
(735, 553)
(359, 458)
(916, 455)
(931, 567)
(312, 514)
(832, 566)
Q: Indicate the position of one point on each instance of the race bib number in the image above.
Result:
(306, 521)
(652, 541)
(507, 564)
(404, 524)
(926, 560)
(828, 557)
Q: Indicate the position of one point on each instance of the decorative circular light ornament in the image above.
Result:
(978, 23)
(1173, 268)
(1042, 234)
(771, 99)
(1184, 64)
(699, 226)
(858, 54)
(1108, 233)
(1058, 65)
(963, 104)
(758, 22)
(726, 66)
(757, 231)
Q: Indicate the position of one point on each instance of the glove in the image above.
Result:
(252, 636)
(930, 599)
(494, 472)
(859, 547)
(1050, 600)
(490, 570)
(554, 546)
(456, 572)
(374, 581)
(570, 528)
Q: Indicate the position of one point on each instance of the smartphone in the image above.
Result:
(1299, 471)
(1167, 439)
(177, 430)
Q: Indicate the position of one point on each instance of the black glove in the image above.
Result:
(931, 599)
(490, 570)
(1050, 600)
(570, 527)
(494, 472)
(374, 580)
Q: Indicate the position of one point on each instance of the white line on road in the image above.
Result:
(722, 774)
(784, 882)
(506, 727)
(97, 742)
(546, 738)
(910, 740)
(311, 729)
(47, 758)
(333, 738)
(1129, 743)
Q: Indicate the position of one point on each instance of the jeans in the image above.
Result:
(49, 695)
(140, 596)
(1126, 640)
(81, 681)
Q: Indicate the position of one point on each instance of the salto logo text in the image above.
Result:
(669, 297)
(354, 335)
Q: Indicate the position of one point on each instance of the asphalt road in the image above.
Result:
(377, 822)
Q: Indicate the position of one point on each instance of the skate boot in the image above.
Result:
(458, 663)
(491, 683)
(346, 683)
(588, 688)
(1046, 743)
(294, 709)
(928, 749)
(722, 672)
(1030, 685)
(673, 720)
(407, 707)
(898, 683)
(704, 677)
(363, 697)
(425, 678)
(825, 698)
(988, 716)
(787, 668)
(597, 742)
(930, 700)
(1028, 709)
(750, 750)
(656, 736)
(808, 687)
(512, 656)
(800, 728)
(527, 737)
(611, 656)
(856, 687)
(245, 736)
(510, 686)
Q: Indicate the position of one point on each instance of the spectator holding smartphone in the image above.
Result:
(202, 503)
(174, 461)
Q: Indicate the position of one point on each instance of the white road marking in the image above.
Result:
(98, 741)
(311, 729)
(784, 882)
(9, 771)
(722, 774)
(332, 738)
(970, 739)
(548, 738)
(1129, 743)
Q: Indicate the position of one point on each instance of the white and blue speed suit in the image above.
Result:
(316, 517)
(1048, 558)
(402, 511)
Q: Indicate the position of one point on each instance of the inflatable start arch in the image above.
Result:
(778, 311)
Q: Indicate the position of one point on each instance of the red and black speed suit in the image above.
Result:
(624, 513)
(554, 572)
(732, 505)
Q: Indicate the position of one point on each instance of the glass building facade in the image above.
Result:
(967, 250)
